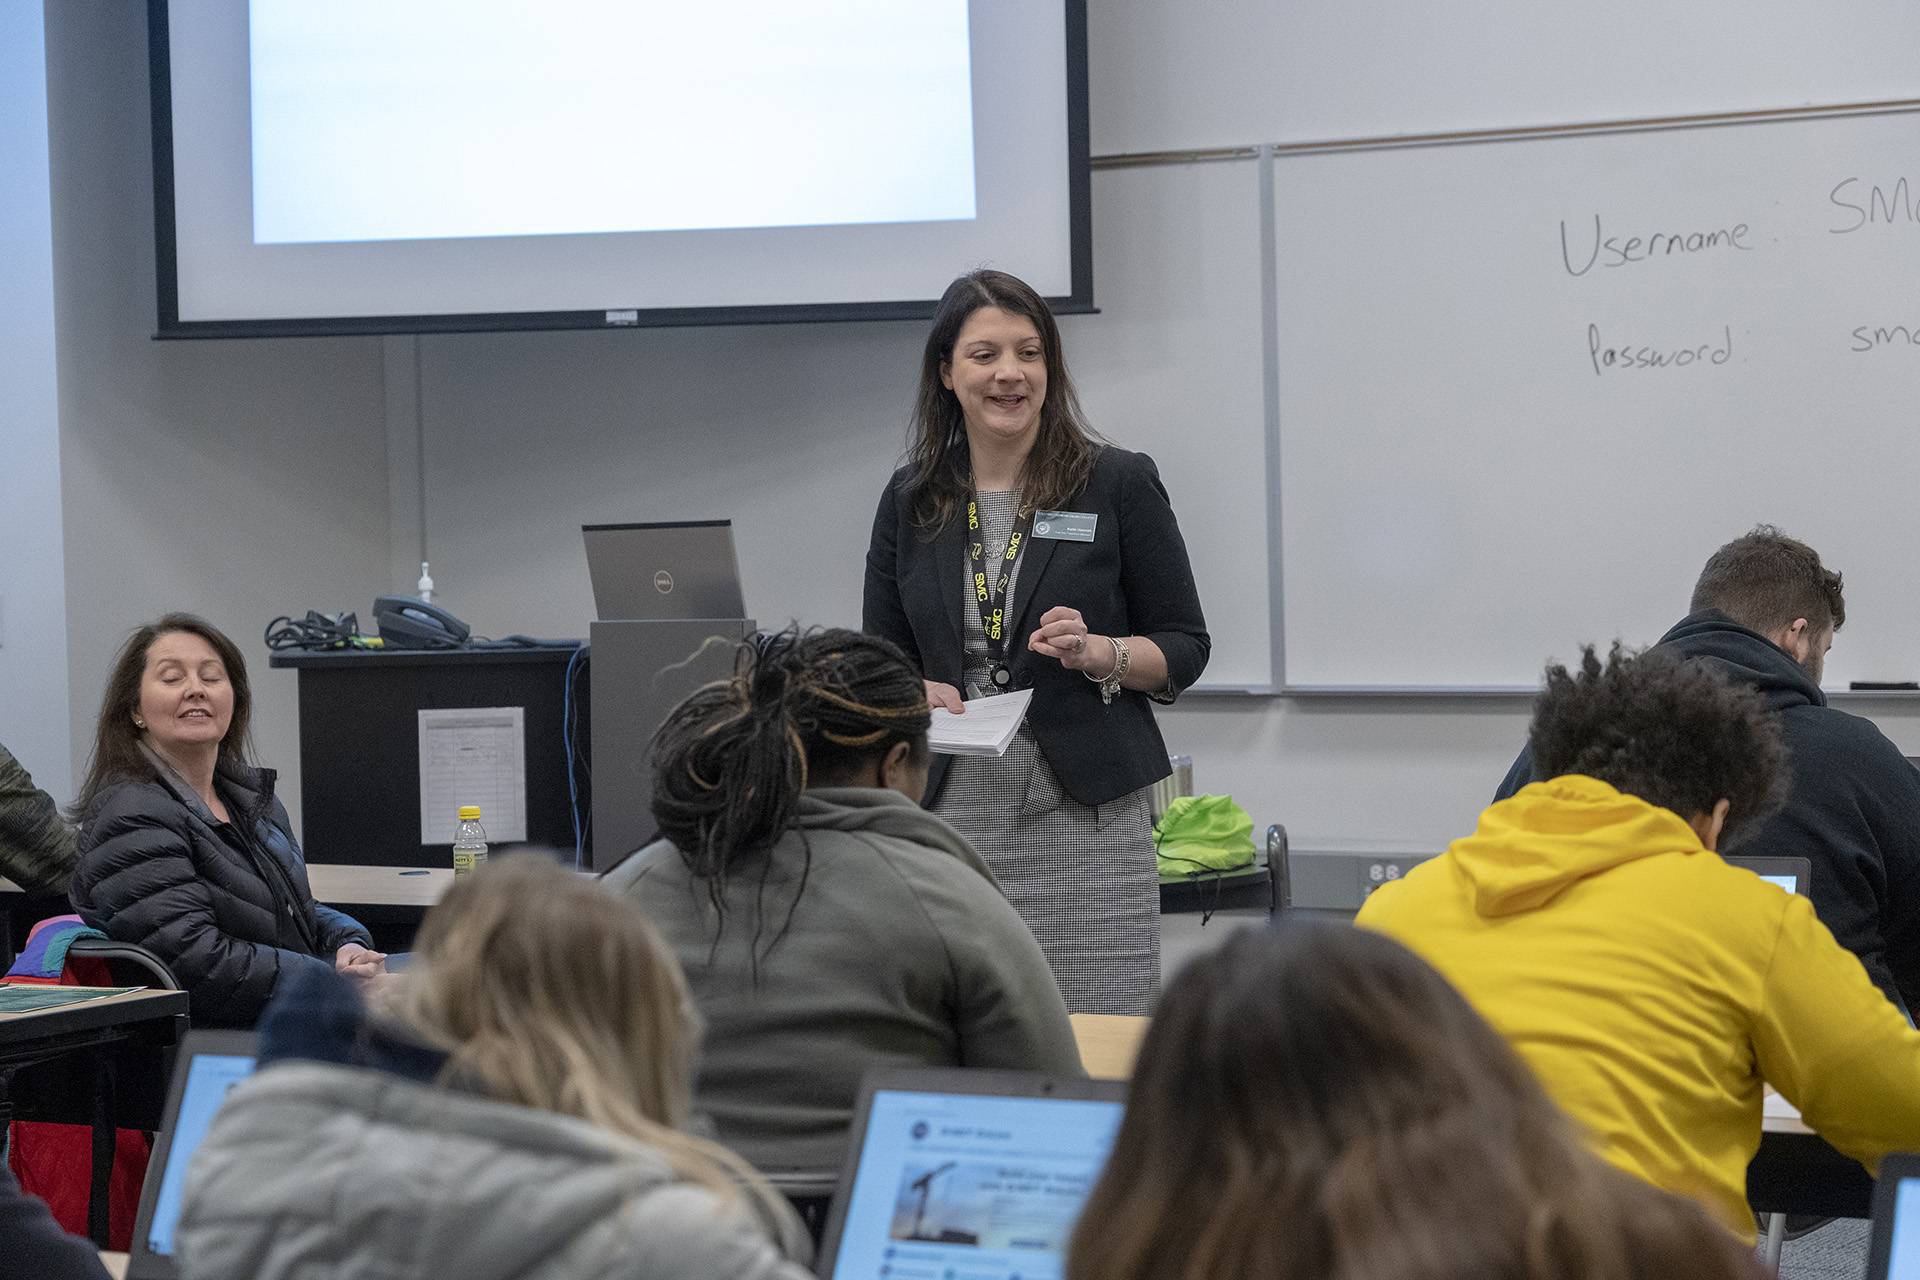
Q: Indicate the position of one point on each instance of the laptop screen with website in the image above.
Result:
(971, 1184)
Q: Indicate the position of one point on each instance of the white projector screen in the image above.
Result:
(359, 166)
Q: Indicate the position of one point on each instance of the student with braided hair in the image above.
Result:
(827, 924)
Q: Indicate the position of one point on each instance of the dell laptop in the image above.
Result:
(210, 1063)
(685, 569)
(967, 1173)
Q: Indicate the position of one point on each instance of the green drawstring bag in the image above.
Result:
(1200, 835)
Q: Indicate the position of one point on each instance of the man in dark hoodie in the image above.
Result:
(1764, 613)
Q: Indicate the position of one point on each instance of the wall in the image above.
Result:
(247, 479)
(238, 480)
(33, 612)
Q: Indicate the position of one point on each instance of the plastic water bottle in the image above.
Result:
(469, 843)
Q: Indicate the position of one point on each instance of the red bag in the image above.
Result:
(55, 1161)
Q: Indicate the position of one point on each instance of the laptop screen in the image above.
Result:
(209, 1076)
(1903, 1262)
(971, 1184)
(1790, 883)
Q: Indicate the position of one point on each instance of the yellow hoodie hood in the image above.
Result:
(1652, 988)
(1531, 847)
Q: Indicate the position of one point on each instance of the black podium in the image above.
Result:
(360, 744)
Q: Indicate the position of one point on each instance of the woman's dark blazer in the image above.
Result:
(1133, 579)
(154, 870)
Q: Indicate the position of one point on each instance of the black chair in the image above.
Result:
(810, 1192)
(130, 964)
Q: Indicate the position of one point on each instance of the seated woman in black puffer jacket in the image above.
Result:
(183, 847)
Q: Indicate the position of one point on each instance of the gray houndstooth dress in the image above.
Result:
(1082, 877)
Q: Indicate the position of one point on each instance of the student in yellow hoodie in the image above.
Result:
(1652, 987)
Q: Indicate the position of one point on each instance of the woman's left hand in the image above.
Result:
(1063, 635)
(355, 961)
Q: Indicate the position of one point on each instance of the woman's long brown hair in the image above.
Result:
(1317, 1103)
(939, 472)
(116, 738)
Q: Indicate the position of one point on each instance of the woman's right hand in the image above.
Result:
(945, 695)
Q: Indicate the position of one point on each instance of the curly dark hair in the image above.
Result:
(1672, 732)
(803, 708)
(1765, 580)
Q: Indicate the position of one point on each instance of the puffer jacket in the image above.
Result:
(36, 846)
(325, 1171)
(226, 905)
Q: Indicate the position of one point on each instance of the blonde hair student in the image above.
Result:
(514, 1109)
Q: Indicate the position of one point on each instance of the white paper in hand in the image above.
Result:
(984, 730)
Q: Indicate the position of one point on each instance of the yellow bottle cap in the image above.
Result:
(469, 812)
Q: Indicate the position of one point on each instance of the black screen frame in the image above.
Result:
(167, 274)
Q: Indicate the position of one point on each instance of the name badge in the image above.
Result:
(1064, 526)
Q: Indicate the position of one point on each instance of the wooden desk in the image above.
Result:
(390, 901)
(103, 1063)
(343, 885)
(1109, 1042)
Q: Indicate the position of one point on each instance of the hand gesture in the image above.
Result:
(1063, 635)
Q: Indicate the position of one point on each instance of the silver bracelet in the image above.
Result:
(1110, 683)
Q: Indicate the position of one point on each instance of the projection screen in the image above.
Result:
(361, 166)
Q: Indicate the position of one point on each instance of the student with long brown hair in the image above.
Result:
(1317, 1103)
(827, 924)
(1016, 550)
(514, 1111)
(184, 849)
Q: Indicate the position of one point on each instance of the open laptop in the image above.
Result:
(210, 1063)
(975, 1173)
(1893, 1251)
(683, 569)
(1791, 874)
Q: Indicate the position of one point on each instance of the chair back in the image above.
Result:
(1279, 868)
(130, 964)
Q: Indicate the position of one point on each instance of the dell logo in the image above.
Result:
(663, 582)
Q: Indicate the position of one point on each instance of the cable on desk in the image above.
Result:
(316, 631)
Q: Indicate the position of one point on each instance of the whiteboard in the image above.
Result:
(1494, 447)
(1171, 368)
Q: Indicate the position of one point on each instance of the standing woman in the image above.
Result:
(1015, 550)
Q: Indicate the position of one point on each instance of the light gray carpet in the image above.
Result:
(1837, 1251)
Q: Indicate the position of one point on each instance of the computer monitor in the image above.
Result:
(1893, 1250)
(210, 1063)
(1791, 874)
(682, 569)
(967, 1173)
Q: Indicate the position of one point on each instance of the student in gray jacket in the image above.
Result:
(828, 925)
(513, 1110)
